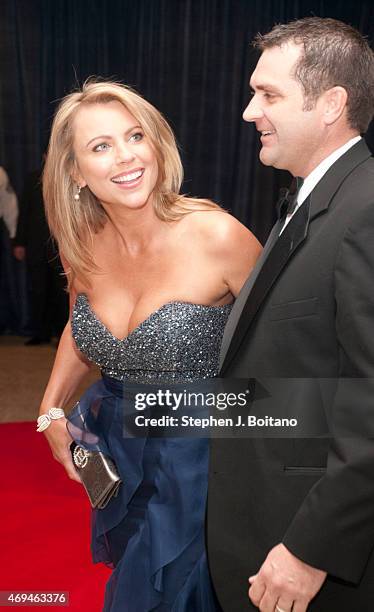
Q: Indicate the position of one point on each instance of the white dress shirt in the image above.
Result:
(315, 176)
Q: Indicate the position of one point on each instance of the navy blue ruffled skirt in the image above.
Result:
(152, 533)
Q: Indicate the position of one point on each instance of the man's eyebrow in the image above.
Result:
(263, 87)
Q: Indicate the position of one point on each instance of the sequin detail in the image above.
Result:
(179, 342)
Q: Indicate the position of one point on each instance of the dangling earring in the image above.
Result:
(77, 195)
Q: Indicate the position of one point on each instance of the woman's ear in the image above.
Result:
(77, 177)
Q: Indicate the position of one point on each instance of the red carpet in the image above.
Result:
(44, 524)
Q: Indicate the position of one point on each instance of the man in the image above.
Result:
(49, 300)
(8, 224)
(296, 516)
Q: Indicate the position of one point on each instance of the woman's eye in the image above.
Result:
(136, 137)
(103, 146)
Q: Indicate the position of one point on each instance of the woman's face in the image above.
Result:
(113, 156)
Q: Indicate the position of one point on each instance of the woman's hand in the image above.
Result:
(59, 440)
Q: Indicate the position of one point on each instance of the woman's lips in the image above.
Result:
(128, 179)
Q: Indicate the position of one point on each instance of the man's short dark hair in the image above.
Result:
(334, 54)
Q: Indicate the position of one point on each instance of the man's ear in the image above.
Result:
(335, 103)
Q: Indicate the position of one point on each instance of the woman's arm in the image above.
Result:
(232, 249)
(239, 251)
(68, 371)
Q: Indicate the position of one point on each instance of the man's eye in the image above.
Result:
(103, 146)
(136, 137)
(268, 96)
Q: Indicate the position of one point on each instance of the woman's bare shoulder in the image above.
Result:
(221, 231)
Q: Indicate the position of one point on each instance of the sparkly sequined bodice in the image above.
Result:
(179, 342)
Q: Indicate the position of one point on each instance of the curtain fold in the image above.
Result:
(191, 58)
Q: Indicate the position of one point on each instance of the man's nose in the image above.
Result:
(253, 111)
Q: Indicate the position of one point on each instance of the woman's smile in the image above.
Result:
(128, 180)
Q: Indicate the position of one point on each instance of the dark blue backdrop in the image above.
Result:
(191, 58)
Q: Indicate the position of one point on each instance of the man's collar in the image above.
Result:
(315, 176)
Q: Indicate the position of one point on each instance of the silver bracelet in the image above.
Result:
(44, 420)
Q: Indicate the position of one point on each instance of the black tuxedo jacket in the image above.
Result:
(32, 228)
(310, 315)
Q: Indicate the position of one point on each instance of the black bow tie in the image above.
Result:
(288, 198)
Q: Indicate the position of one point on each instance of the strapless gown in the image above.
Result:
(152, 533)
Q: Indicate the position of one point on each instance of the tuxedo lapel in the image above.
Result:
(241, 300)
(331, 182)
(290, 239)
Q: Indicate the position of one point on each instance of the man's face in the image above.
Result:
(292, 138)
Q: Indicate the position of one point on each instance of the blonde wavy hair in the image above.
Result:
(73, 222)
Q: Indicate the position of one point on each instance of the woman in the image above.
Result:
(151, 277)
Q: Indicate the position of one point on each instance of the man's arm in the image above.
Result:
(340, 505)
(333, 529)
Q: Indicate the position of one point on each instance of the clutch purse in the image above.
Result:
(98, 474)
